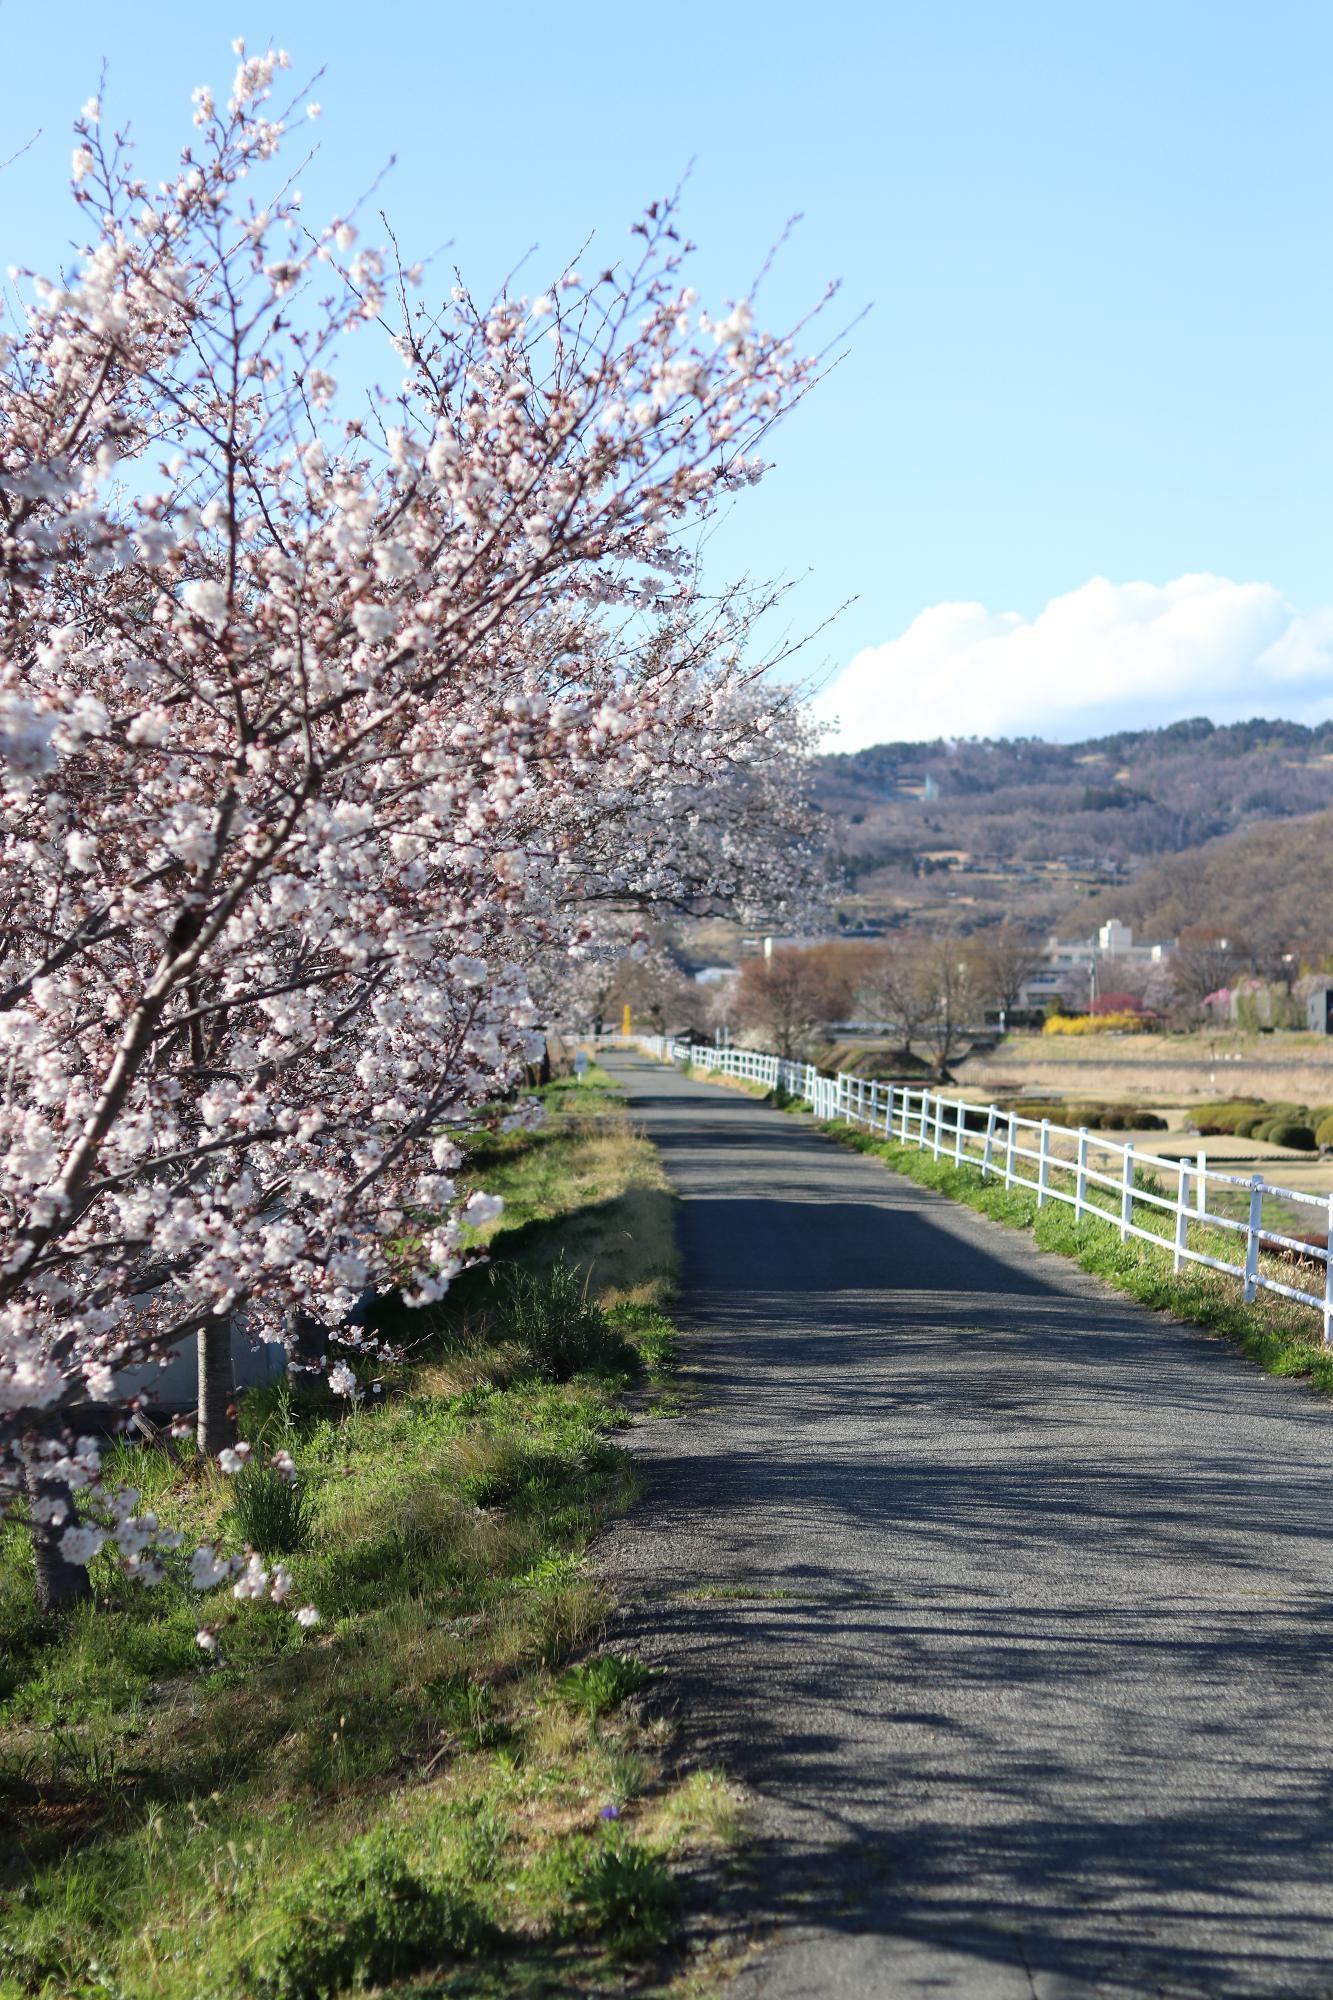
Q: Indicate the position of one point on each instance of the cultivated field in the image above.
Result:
(1171, 1075)
(1160, 1069)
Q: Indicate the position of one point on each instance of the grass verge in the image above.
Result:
(449, 1789)
(1284, 1338)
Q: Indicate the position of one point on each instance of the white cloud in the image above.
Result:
(1104, 657)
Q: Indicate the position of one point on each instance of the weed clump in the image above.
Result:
(368, 1918)
(617, 1890)
(269, 1509)
(599, 1685)
(559, 1327)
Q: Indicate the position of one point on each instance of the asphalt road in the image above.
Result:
(1009, 1600)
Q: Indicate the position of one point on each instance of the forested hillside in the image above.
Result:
(1269, 885)
(974, 828)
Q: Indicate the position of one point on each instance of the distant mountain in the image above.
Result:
(966, 831)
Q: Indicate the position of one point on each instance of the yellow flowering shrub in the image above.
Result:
(1094, 1024)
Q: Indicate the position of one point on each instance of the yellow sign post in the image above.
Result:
(624, 1026)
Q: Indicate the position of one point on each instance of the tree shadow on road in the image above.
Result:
(1010, 1600)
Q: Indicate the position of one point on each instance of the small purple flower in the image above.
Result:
(609, 1812)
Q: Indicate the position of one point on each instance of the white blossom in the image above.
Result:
(252, 1583)
(207, 600)
(483, 1209)
(208, 1567)
(80, 1545)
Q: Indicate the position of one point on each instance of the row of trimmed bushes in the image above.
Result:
(1303, 1126)
(1097, 1117)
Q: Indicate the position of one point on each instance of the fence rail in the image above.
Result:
(1168, 1202)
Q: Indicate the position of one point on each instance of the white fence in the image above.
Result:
(1171, 1203)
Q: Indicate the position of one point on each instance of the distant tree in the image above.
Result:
(789, 995)
(1205, 959)
(644, 977)
(923, 989)
(947, 975)
(1117, 1003)
(1001, 961)
(892, 989)
(720, 1003)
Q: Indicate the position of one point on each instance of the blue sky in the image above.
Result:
(1094, 241)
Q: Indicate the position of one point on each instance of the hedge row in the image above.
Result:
(1281, 1123)
(1097, 1117)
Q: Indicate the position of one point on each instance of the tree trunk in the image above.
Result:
(217, 1386)
(58, 1582)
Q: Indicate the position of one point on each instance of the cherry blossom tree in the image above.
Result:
(319, 731)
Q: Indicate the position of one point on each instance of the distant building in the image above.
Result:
(764, 946)
(1089, 965)
(1319, 1011)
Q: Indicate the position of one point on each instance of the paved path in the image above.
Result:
(1011, 1601)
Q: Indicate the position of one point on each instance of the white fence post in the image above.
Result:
(1201, 1195)
(1252, 1237)
(888, 1111)
(1081, 1175)
(989, 1141)
(1328, 1278)
(939, 1124)
(1182, 1219)
(1127, 1195)
(1043, 1154)
(1008, 1148)
(960, 1116)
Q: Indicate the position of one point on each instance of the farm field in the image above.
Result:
(1173, 1088)
(1167, 1068)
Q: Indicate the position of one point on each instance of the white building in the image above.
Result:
(1079, 967)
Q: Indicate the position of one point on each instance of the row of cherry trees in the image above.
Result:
(324, 738)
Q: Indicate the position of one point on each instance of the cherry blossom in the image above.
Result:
(325, 736)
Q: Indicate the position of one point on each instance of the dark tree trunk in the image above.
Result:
(58, 1582)
(217, 1387)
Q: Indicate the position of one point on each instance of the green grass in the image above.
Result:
(269, 1512)
(446, 1789)
(1282, 1337)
